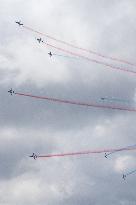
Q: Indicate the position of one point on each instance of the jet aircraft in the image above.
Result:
(124, 176)
(11, 91)
(50, 54)
(105, 155)
(39, 40)
(102, 98)
(34, 156)
(19, 23)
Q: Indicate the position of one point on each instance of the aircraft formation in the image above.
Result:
(103, 99)
(75, 54)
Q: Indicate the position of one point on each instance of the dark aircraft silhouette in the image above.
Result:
(105, 155)
(11, 91)
(102, 98)
(19, 23)
(50, 54)
(39, 40)
(124, 176)
(34, 156)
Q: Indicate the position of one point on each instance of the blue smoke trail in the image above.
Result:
(112, 99)
(64, 56)
(129, 173)
(130, 146)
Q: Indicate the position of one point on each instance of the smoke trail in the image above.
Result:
(130, 146)
(129, 173)
(83, 152)
(112, 99)
(89, 59)
(54, 54)
(76, 103)
(83, 49)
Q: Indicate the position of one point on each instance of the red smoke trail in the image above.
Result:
(77, 103)
(83, 49)
(89, 59)
(84, 152)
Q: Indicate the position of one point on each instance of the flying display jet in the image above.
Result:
(33, 156)
(50, 54)
(39, 40)
(19, 23)
(124, 176)
(11, 91)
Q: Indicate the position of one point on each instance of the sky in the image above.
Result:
(29, 125)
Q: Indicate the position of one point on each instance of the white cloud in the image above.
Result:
(124, 163)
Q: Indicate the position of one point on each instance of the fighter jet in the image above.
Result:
(19, 23)
(105, 155)
(102, 98)
(39, 40)
(34, 156)
(11, 91)
(50, 54)
(124, 176)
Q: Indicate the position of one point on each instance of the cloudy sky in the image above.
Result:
(28, 125)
